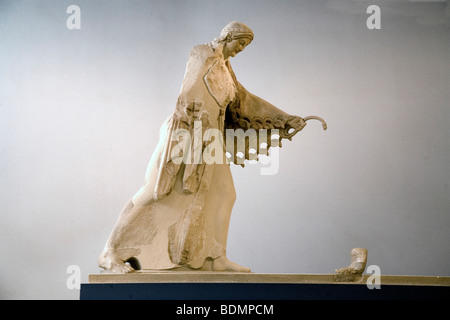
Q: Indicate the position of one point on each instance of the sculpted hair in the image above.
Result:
(232, 31)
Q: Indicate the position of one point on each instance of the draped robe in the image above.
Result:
(184, 207)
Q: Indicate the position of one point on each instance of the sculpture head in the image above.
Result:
(235, 37)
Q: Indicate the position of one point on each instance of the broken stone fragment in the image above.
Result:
(353, 272)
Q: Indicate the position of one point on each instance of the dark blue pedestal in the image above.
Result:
(257, 291)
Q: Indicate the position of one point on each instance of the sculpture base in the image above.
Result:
(145, 285)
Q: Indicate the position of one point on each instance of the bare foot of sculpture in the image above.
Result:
(223, 264)
(111, 262)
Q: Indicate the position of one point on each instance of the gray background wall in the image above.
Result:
(80, 112)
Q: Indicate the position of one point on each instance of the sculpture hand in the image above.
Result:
(296, 123)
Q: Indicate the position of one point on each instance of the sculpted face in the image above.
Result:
(235, 46)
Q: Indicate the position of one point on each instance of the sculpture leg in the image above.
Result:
(142, 231)
(116, 253)
(224, 198)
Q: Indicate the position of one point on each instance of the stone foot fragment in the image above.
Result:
(354, 271)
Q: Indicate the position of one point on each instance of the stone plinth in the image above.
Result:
(237, 277)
